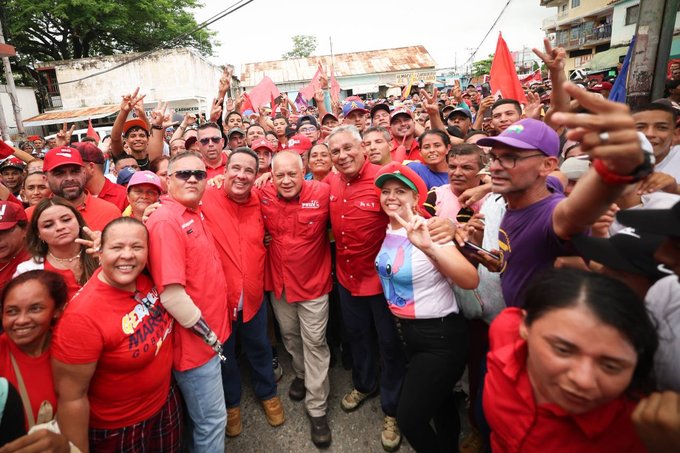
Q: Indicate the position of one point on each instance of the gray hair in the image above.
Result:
(347, 129)
(385, 133)
(287, 153)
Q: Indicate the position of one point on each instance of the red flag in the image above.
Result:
(91, 132)
(247, 104)
(504, 81)
(273, 104)
(315, 84)
(535, 76)
(263, 92)
(335, 87)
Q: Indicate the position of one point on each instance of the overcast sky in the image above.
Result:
(449, 29)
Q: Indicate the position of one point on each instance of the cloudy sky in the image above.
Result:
(449, 29)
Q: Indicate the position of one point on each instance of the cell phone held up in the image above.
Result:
(474, 248)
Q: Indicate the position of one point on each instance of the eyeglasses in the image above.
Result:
(206, 140)
(303, 130)
(186, 175)
(510, 161)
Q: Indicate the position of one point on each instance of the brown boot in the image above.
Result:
(273, 410)
(234, 425)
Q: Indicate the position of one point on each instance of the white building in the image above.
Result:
(28, 107)
(91, 88)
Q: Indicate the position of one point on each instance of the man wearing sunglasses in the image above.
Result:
(187, 271)
(211, 145)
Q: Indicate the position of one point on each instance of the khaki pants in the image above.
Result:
(303, 329)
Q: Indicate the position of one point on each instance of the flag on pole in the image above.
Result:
(335, 86)
(407, 88)
(535, 76)
(504, 81)
(91, 132)
(618, 92)
(263, 93)
(315, 84)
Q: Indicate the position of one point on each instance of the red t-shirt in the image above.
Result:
(219, 170)
(299, 256)
(72, 285)
(130, 342)
(35, 371)
(10, 267)
(97, 213)
(412, 153)
(115, 194)
(359, 226)
(182, 251)
(239, 236)
(519, 425)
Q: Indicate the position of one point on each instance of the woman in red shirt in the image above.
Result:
(52, 233)
(31, 304)
(564, 372)
(112, 354)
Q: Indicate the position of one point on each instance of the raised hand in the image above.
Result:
(554, 58)
(534, 106)
(430, 102)
(131, 100)
(158, 114)
(63, 137)
(416, 228)
(225, 82)
(216, 110)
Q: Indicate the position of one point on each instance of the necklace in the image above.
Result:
(64, 260)
(8, 263)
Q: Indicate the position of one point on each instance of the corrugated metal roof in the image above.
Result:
(70, 116)
(346, 64)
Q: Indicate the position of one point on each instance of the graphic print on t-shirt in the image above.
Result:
(395, 258)
(504, 248)
(157, 325)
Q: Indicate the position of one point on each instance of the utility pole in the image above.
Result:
(11, 90)
(654, 31)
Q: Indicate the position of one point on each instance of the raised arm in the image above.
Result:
(609, 136)
(126, 105)
(554, 59)
(159, 119)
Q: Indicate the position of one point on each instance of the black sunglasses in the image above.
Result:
(186, 175)
(215, 140)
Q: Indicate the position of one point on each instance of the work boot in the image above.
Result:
(276, 366)
(321, 432)
(297, 389)
(391, 436)
(234, 425)
(273, 410)
(352, 400)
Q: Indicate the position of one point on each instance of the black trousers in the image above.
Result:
(437, 352)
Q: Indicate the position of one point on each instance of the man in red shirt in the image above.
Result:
(96, 183)
(187, 271)
(404, 141)
(298, 272)
(211, 144)
(66, 178)
(13, 223)
(234, 218)
(359, 227)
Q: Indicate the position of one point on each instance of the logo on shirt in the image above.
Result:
(314, 204)
(504, 246)
(367, 204)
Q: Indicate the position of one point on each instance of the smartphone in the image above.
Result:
(474, 247)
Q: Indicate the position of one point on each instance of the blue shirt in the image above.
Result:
(431, 178)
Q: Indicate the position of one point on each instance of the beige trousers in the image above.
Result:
(303, 330)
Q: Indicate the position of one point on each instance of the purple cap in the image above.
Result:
(527, 134)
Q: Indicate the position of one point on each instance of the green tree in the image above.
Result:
(481, 67)
(303, 46)
(63, 29)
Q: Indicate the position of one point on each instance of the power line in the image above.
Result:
(472, 55)
(225, 12)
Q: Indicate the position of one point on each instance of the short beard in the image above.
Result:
(71, 197)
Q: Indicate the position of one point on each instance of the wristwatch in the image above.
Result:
(640, 172)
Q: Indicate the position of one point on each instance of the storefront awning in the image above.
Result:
(71, 116)
(605, 60)
(363, 89)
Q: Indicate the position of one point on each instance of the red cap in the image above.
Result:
(603, 86)
(137, 122)
(10, 215)
(262, 143)
(400, 172)
(62, 155)
(400, 112)
(12, 162)
(33, 137)
(299, 143)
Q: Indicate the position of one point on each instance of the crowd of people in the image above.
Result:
(526, 256)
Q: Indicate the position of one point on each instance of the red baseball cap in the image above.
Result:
(10, 215)
(299, 143)
(137, 122)
(62, 155)
(603, 86)
(262, 143)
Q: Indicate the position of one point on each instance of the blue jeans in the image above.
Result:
(357, 313)
(204, 398)
(258, 349)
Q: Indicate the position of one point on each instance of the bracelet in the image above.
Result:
(153, 126)
(609, 177)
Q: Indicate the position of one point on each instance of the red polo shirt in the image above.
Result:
(97, 213)
(359, 227)
(182, 251)
(219, 170)
(114, 193)
(412, 153)
(8, 269)
(239, 236)
(519, 425)
(299, 256)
